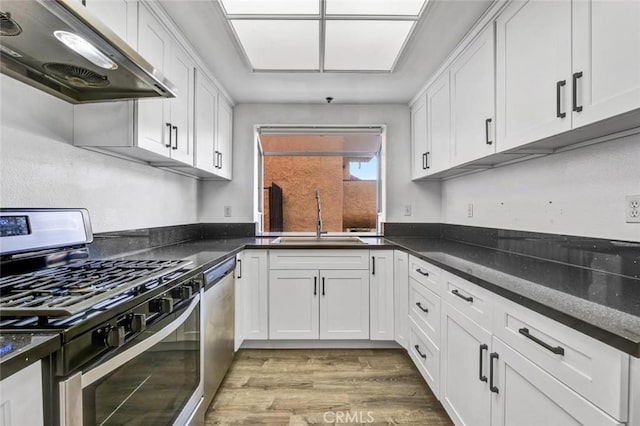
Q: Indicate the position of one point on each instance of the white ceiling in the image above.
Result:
(438, 32)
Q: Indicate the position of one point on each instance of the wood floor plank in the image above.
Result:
(324, 386)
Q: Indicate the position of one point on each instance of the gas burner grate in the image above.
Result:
(77, 287)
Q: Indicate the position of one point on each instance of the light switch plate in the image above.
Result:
(470, 210)
(227, 211)
(407, 210)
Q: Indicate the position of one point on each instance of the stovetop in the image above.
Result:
(62, 295)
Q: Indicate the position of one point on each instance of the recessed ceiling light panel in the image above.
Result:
(375, 7)
(280, 44)
(364, 45)
(271, 7)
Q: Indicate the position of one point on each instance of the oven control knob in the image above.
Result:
(163, 305)
(138, 322)
(115, 337)
(182, 292)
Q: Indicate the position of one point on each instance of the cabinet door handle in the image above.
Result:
(462, 296)
(175, 128)
(220, 154)
(481, 376)
(315, 286)
(421, 272)
(323, 286)
(492, 356)
(169, 144)
(486, 130)
(424, 161)
(373, 265)
(558, 350)
(418, 350)
(239, 268)
(425, 310)
(559, 85)
(576, 107)
(426, 154)
(215, 159)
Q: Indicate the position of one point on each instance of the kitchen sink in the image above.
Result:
(321, 240)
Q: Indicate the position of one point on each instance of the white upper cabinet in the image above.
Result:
(473, 101)
(438, 125)
(224, 137)
(205, 125)
(533, 71)
(419, 137)
(181, 73)
(119, 15)
(606, 59)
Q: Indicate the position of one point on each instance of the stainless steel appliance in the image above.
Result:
(218, 327)
(59, 47)
(130, 329)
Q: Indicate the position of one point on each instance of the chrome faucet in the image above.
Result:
(319, 221)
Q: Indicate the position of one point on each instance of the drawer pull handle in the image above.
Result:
(481, 376)
(558, 350)
(492, 356)
(462, 296)
(425, 310)
(421, 272)
(421, 354)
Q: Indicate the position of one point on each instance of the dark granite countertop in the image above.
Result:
(19, 350)
(586, 294)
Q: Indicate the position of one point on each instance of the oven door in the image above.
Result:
(153, 380)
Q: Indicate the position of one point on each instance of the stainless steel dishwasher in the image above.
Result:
(218, 327)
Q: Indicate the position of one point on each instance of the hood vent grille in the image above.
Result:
(75, 76)
(8, 27)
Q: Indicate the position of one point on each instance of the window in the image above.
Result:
(342, 164)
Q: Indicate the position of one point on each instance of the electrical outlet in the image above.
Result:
(470, 210)
(632, 208)
(407, 210)
(227, 211)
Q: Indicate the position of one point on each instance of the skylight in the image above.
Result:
(322, 35)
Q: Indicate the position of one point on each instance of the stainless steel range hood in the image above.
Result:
(33, 54)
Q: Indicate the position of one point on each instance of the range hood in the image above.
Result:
(39, 41)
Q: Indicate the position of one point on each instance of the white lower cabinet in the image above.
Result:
(318, 304)
(426, 356)
(382, 295)
(464, 385)
(252, 276)
(401, 296)
(525, 395)
(21, 400)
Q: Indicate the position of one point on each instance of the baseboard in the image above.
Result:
(320, 344)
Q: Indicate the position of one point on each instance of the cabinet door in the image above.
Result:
(240, 295)
(252, 273)
(181, 119)
(205, 124)
(382, 292)
(533, 57)
(606, 59)
(154, 44)
(21, 397)
(224, 137)
(438, 125)
(401, 296)
(472, 101)
(344, 304)
(419, 137)
(527, 396)
(293, 304)
(464, 361)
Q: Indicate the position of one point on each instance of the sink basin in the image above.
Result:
(316, 241)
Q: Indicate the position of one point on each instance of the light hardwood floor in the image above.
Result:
(323, 386)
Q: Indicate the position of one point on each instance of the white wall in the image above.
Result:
(423, 196)
(41, 168)
(578, 192)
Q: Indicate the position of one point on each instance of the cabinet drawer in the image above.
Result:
(425, 273)
(468, 298)
(319, 259)
(593, 369)
(424, 309)
(426, 356)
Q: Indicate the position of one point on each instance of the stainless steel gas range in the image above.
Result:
(130, 329)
